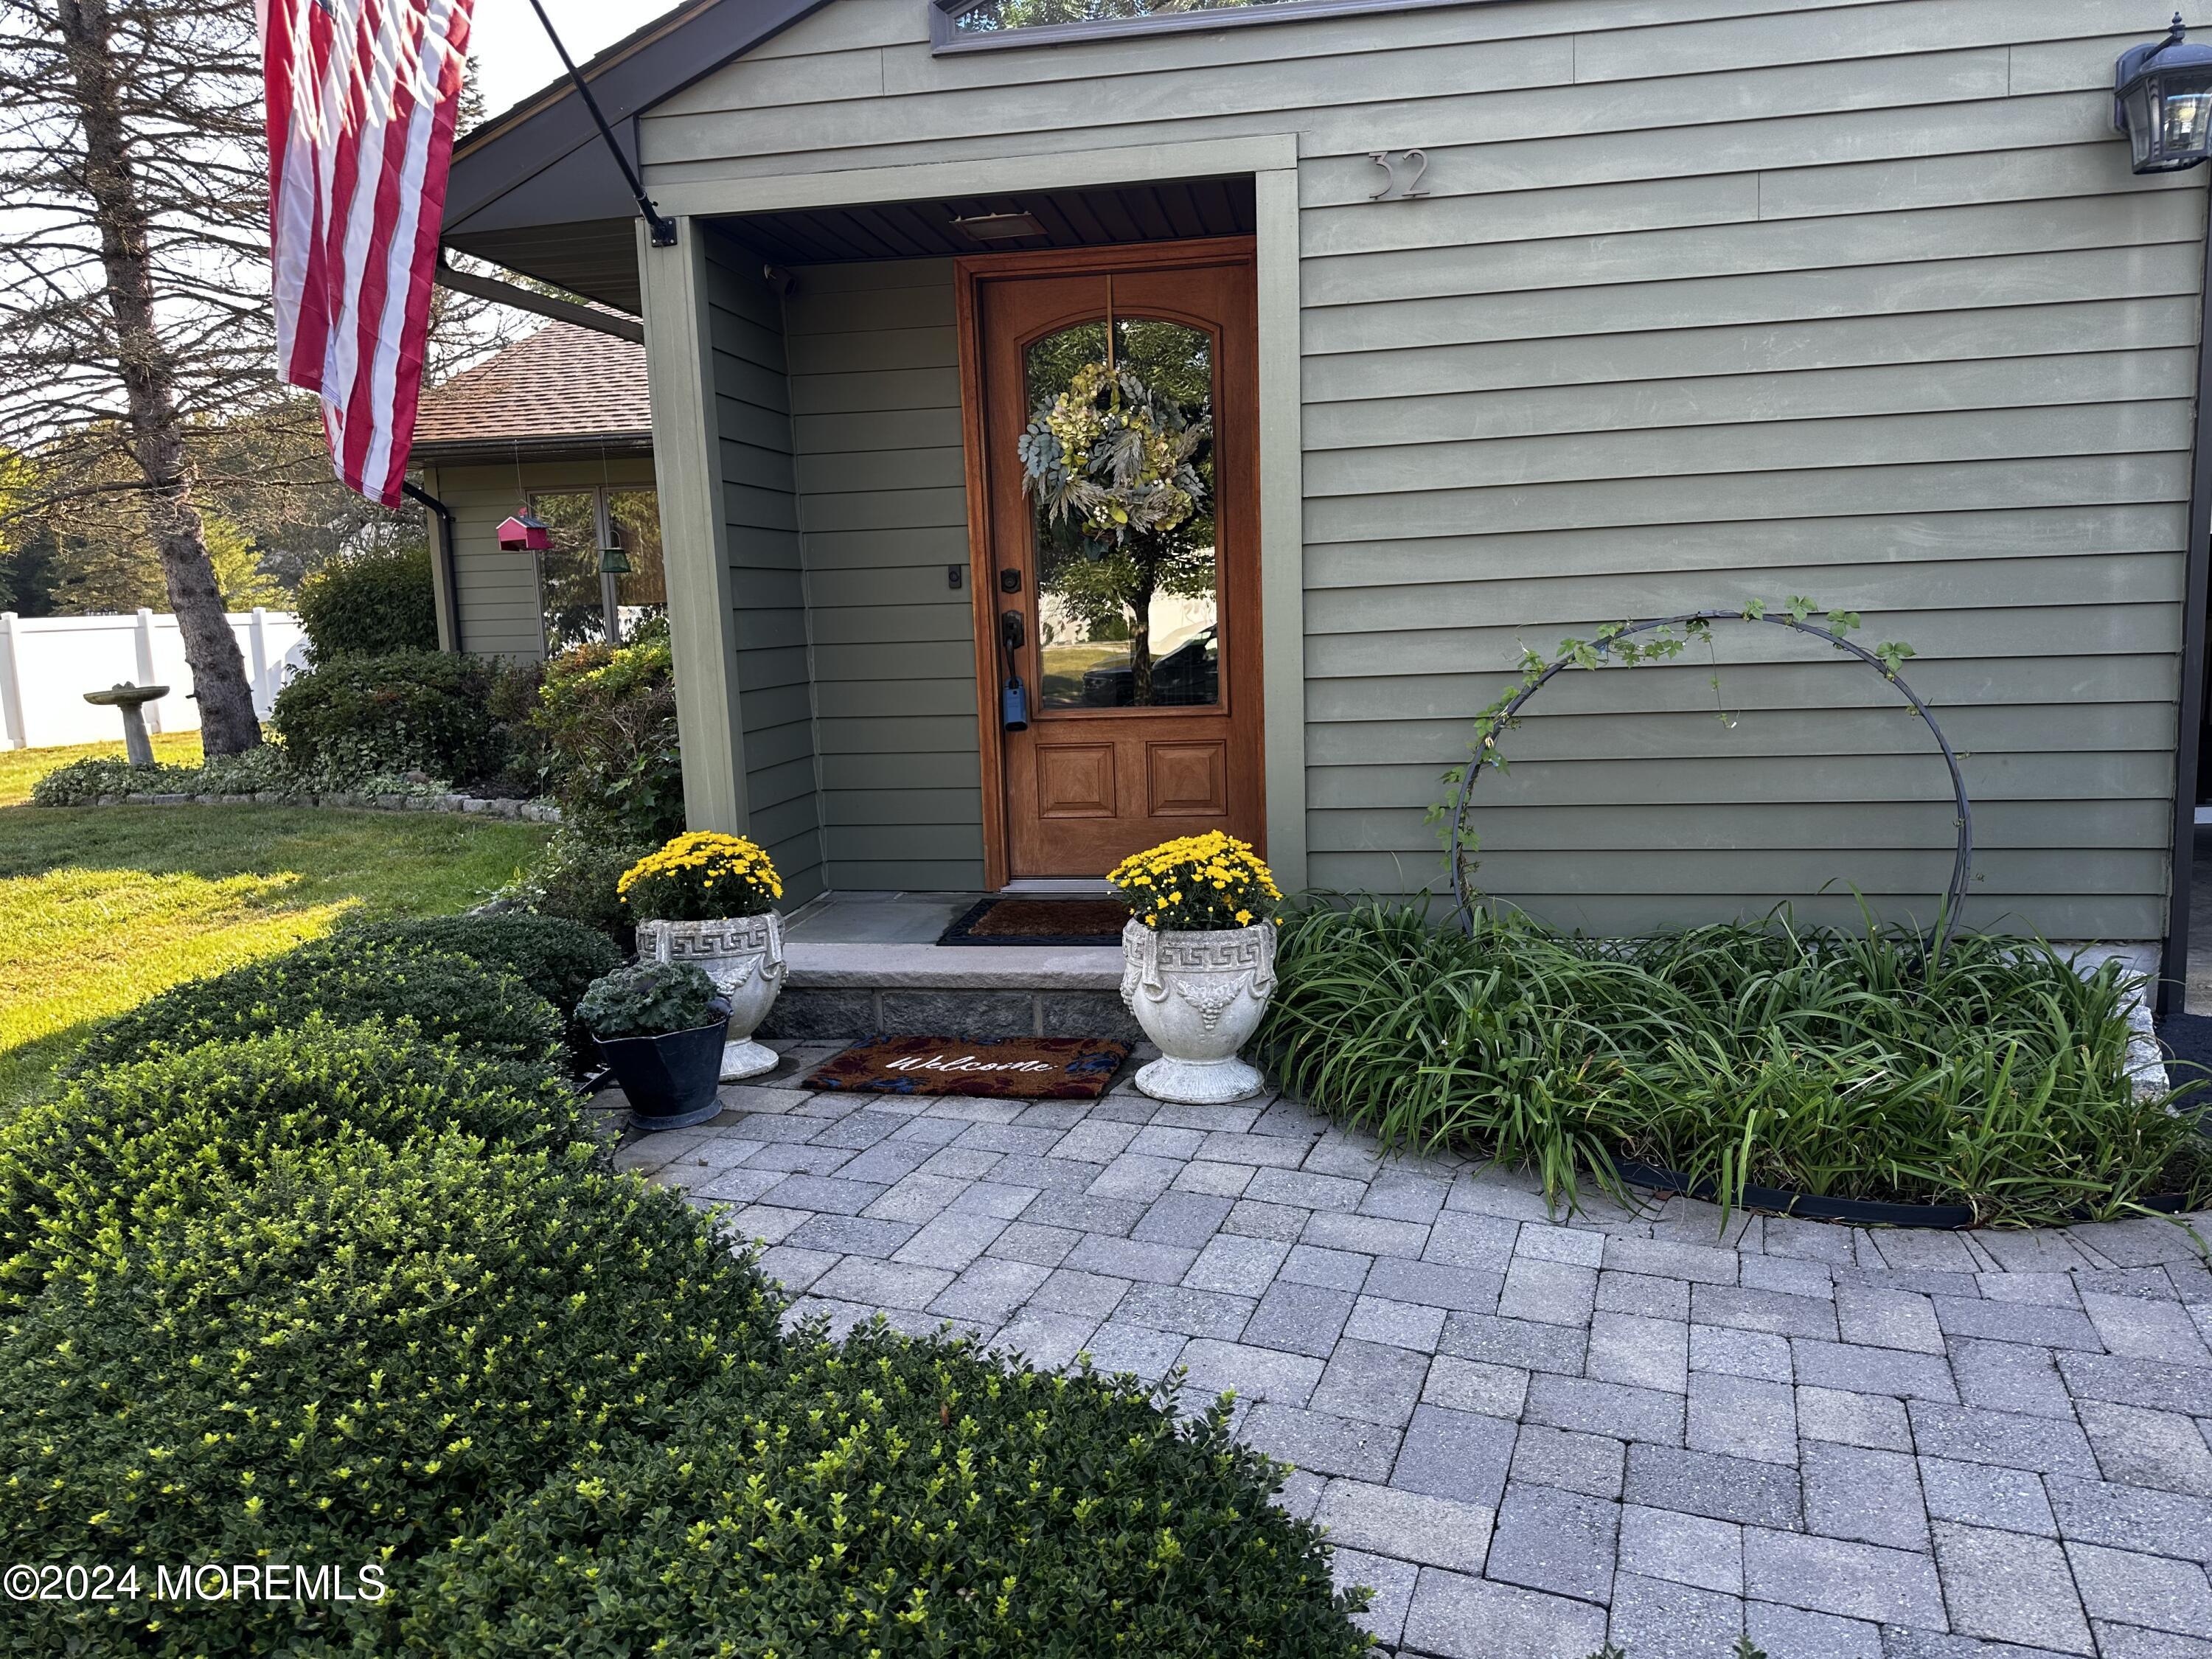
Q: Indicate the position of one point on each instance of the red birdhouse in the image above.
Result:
(524, 533)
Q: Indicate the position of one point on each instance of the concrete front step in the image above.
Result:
(841, 991)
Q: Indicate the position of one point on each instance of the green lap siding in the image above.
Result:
(760, 505)
(501, 608)
(875, 405)
(1709, 301)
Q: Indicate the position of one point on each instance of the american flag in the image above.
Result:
(362, 95)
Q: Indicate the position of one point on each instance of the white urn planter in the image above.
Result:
(744, 956)
(1199, 997)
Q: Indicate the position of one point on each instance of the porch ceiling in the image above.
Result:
(1071, 218)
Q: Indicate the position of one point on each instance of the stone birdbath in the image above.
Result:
(131, 699)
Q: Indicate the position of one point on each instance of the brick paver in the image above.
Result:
(1530, 1434)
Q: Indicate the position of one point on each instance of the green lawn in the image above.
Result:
(102, 906)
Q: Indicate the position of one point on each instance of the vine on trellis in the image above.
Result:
(1617, 641)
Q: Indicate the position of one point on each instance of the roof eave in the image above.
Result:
(552, 127)
(550, 447)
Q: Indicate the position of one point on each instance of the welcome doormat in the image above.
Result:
(1028, 1068)
(1039, 921)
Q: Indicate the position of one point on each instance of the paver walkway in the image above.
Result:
(1532, 1438)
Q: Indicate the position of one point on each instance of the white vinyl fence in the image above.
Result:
(48, 663)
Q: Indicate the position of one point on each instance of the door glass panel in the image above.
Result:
(1132, 625)
(568, 571)
(642, 592)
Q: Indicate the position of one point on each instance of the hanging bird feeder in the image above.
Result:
(613, 561)
(526, 532)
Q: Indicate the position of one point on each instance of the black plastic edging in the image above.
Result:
(1860, 1211)
(1811, 1207)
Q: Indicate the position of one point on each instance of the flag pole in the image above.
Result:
(663, 228)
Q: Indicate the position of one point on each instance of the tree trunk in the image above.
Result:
(1140, 648)
(228, 723)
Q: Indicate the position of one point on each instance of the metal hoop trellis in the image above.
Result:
(1954, 896)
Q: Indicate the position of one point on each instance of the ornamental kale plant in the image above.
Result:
(651, 999)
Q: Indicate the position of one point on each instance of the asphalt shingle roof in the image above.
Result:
(562, 387)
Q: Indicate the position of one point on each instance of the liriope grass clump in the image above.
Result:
(1848, 1063)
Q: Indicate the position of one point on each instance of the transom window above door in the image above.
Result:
(963, 25)
(583, 600)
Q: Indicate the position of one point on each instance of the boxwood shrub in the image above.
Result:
(555, 957)
(83, 1172)
(346, 980)
(892, 1497)
(371, 603)
(356, 1356)
(407, 711)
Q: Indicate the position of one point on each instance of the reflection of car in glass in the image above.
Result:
(1188, 677)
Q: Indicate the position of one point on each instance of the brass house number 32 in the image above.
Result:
(1402, 170)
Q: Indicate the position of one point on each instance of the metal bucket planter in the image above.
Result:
(669, 1079)
(1200, 996)
(744, 956)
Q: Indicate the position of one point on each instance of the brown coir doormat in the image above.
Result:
(1027, 1068)
(1039, 921)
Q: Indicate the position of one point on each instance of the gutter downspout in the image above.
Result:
(2189, 713)
(447, 580)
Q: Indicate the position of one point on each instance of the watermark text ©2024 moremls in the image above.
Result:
(189, 1584)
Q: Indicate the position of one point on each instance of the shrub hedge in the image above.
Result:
(347, 980)
(360, 1353)
(891, 1496)
(166, 1136)
(370, 605)
(340, 1297)
(555, 957)
(408, 711)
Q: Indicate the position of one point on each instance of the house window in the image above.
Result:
(961, 25)
(581, 601)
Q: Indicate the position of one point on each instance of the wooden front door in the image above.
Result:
(1141, 663)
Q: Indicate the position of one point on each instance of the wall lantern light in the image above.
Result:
(524, 533)
(2162, 100)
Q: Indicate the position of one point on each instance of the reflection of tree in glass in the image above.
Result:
(636, 516)
(1110, 588)
(575, 606)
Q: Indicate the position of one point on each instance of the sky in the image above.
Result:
(514, 59)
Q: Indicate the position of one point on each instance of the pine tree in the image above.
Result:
(127, 157)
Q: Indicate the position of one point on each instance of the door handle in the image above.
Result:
(1013, 695)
